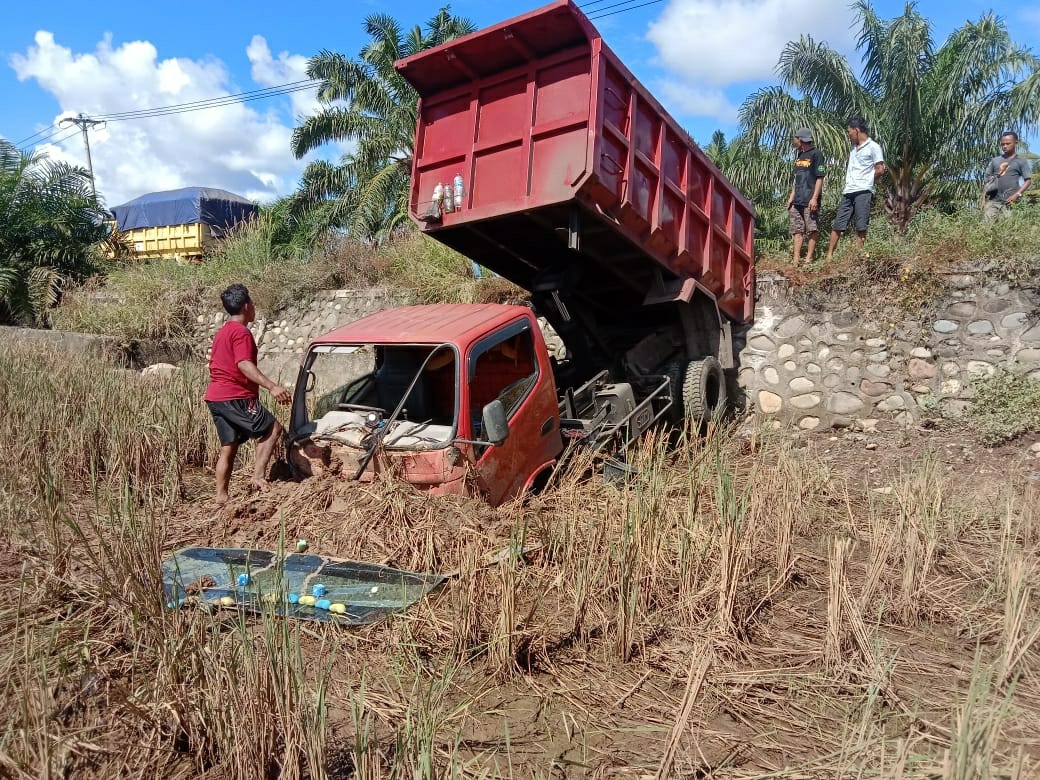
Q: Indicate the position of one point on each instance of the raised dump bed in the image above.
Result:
(574, 176)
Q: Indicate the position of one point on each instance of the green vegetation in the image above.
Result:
(161, 299)
(50, 228)
(369, 105)
(716, 617)
(936, 111)
(1005, 406)
(934, 240)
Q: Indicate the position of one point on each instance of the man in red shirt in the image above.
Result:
(233, 395)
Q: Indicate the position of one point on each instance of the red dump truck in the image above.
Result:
(539, 156)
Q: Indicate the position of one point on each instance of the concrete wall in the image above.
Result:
(282, 337)
(135, 355)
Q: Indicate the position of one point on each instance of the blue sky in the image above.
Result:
(701, 58)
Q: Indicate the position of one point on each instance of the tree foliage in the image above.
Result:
(763, 176)
(371, 108)
(936, 111)
(50, 229)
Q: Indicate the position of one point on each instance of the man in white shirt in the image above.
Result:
(866, 165)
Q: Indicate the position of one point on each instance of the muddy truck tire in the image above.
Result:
(698, 390)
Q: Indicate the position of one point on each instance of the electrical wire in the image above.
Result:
(222, 100)
(597, 15)
(280, 89)
(49, 131)
(45, 135)
(57, 141)
(215, 104)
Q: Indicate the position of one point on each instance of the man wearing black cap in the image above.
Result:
(803, 203)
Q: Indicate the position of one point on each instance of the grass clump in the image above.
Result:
(1006, 405)
(741, 607)
(910, 270)
(160, 299)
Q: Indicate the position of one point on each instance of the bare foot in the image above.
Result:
(259, 486)
(221, 500)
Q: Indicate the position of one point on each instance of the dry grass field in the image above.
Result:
(750, 605)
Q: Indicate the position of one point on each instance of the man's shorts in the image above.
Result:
(240, 420)
(854, 203)
(994, 208)
(802, 220)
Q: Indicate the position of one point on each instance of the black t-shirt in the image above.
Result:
(808, 167)
(1005, 174)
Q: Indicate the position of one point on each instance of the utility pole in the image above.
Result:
(83, 123)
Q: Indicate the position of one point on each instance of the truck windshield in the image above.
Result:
(351, 386)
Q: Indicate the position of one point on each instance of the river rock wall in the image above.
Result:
(831, 366)
(812, 364)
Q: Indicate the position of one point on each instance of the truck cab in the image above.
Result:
(453, 399)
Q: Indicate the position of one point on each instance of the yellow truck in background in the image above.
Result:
(181, 224)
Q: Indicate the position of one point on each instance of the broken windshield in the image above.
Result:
(354, 390)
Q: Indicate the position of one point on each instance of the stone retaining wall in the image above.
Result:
(813, 368)
(834, 367)
(282, 337)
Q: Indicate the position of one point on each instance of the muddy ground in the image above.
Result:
(765, 698)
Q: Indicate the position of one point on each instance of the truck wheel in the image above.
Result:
(703, 390)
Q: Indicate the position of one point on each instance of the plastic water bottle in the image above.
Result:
(438, 195)
(457, 186)
(449, 198)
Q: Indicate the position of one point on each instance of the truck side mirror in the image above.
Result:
(496, 428)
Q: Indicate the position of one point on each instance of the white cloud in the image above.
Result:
(270, 72)
(696, 101)
(240, 147)
(716, 43)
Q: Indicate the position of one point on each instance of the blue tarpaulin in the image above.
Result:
(189, 205)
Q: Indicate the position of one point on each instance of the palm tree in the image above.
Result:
(368, 104)
(51, 226)
(937, 112)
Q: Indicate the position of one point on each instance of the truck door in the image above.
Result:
(508, 366)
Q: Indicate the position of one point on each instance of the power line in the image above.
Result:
(63, 139)
(52, 130)
(221, 100)
(45, 135)
(279, 89)
(147, 114)
(598, 15)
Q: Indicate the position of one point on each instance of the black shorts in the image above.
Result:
(240, 420)
(854, 203)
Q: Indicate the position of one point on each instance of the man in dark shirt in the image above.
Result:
(1007, 177)
(803, 203)
(233, 394)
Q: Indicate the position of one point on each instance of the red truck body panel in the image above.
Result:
(555, 138)
(424, 324)
(497, 473)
